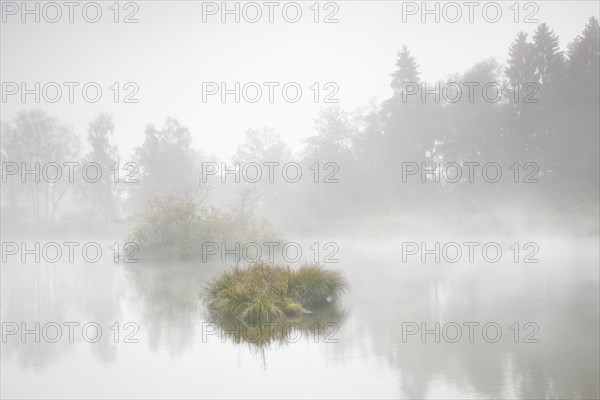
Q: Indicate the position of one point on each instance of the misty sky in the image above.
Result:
(170, 52)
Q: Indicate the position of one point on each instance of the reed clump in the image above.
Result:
(263, 292)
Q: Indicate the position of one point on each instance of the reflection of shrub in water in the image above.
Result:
(176, 226)
(263, 293)
(319, 326)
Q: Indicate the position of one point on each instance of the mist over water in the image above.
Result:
(370, 348)
(374, 239)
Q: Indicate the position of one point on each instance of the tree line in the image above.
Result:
(545, 114)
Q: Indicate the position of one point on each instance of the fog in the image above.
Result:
(355, 200)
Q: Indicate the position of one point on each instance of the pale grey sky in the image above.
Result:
(170, 52)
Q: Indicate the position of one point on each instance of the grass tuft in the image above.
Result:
(267, 293)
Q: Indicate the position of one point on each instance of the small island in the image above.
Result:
(264, 293)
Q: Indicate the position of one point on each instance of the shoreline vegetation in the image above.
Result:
(546, 147)
(266, 293)
(177, 225)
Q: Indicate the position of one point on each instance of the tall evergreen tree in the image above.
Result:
(548, 57)
(521, 62)
(583, 55)
(520, 118)
(581, 122)
(408, 70)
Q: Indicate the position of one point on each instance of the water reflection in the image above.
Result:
(166, 301)
(369, 350)
(561, 297)
(63, 294)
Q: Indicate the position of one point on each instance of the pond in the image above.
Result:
(504, 330)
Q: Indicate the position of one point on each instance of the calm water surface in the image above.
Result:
(178, 354)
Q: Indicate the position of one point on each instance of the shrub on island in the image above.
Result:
(263, 293)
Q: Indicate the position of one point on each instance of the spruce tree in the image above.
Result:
(408, 70)
(521, 63)
(583, 54)
(548, 57)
